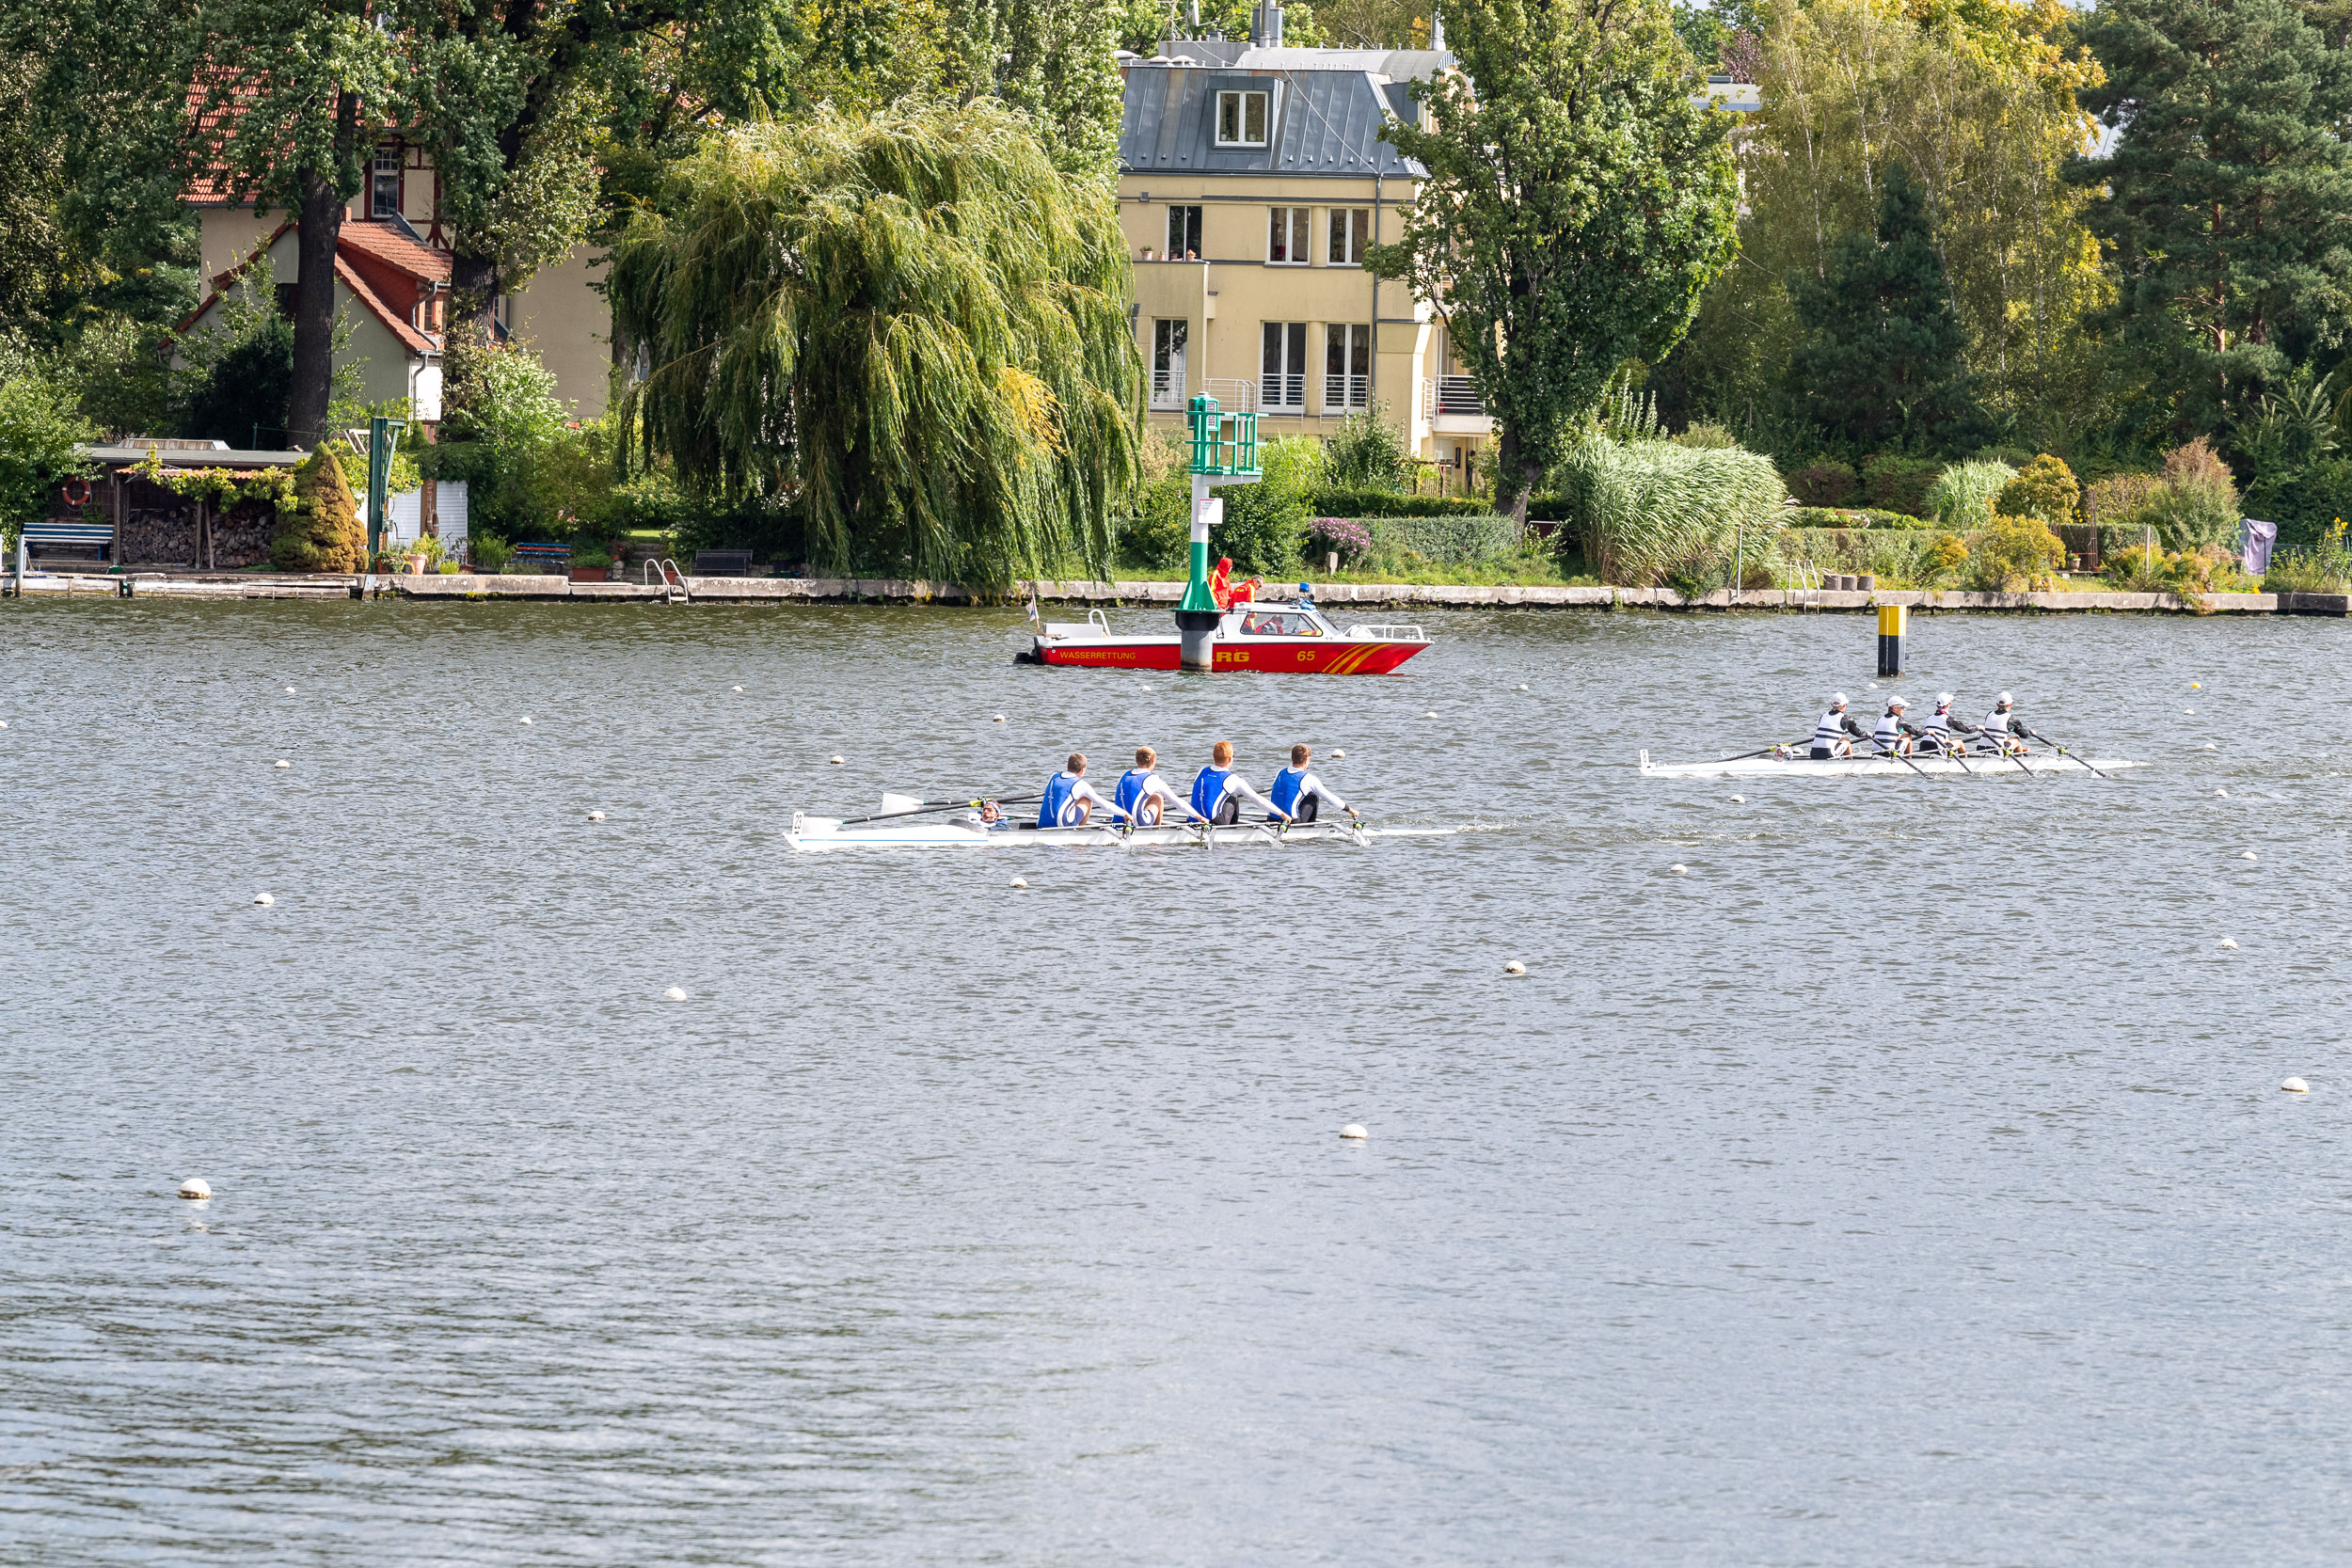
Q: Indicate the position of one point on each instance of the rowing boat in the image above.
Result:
(1280, 636)
(1878, 767)
(833, 832)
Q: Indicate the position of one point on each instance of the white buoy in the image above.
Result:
(1018, 882)
(1522, 687)
(1337, 755)
(596, 817)
(2189, 712)
(998, 718)
(836, 757)
(526, 719)
(1354, 1130)
(2222, 793)
(2250, 855)
(2210, 746)
(283, 763)
(196, 1186)
(1515, 967)
(1680, 870)
(1738, 800)
(1431, 714)
(2293, 1086)
(290, 692)
(675, 993)
(263, 899)
(2230, 944)
(4, 724)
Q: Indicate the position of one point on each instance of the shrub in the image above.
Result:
(1893, 482)
(2046, 489)
(1962, 495)
(323, 534)
(1822, 485)
(1367, 452)
(2118, 500)
(2325, 568)
(1338, 502)
(39, 430)
(1821, 516)
(1154, 535)
(1349, 538)
(1708, 437)
(490, 553)
(1650, 508)
(1459, 540)
(2017, 553)
(2198, 509)
(1265, 523)
(1947, 554)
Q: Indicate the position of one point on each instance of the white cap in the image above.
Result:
(2005, 697)
(1838, 699)
(1897, 702)
(1943, 699)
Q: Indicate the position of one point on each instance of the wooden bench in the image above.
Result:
(557, 556)
(43, 538)
(723, 564)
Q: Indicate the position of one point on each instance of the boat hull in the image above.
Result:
(1271, 656)
(813, 833)
(1876, 766)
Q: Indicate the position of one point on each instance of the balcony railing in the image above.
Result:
(1347, 391)
(1450, 394)
(1168, 389)
(1232, 396)
(1282, 391)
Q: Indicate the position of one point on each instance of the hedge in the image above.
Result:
(1392, 503)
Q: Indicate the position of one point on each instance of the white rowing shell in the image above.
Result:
(826, 833)
(1871, 768)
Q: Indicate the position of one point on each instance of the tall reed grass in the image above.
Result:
(1647, 513)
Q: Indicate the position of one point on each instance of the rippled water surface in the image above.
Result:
(1908, 1182)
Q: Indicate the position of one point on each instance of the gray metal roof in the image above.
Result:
(191, 454)
(1325, 120)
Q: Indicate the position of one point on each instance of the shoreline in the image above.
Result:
(780, 591)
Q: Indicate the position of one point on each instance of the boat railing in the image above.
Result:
(1394, 633)
(1101, 622)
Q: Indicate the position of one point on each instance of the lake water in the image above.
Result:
(1907, 1184)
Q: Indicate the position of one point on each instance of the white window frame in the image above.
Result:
(1296, 245)
(1348, 243)
(1282, 372)
(386, 162)
(1241, 100)
(1347, 389)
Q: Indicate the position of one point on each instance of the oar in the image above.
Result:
(952, 805)
(2000, 748)
(2064, 753)
(1905, 756)
(1766, 750)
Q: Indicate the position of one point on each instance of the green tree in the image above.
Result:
(40, 427)
(2226, 198)
(322, 533)
(910, 326)
(1882, 362)
(1576, 205)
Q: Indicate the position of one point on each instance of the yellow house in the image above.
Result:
(1253, 177)
(392, 278)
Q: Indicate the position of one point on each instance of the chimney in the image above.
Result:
(1274, 23)
(1437, 28)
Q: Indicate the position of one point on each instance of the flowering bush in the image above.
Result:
(1351, 539)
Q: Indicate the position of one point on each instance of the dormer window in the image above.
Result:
(1241, 118)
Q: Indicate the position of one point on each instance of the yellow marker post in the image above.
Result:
(1890, 639)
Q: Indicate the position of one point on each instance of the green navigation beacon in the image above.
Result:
(1224, 451)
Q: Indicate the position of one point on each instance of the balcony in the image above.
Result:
(1282, 394)
(1343, 393)
(1168, 391)
(1453, 394)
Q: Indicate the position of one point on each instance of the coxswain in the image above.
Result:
(1068, 798)
(1144, 796)
(1896, 733)
(1298, 791)
(2003, 729)
(1218, 791)
(1835, 736)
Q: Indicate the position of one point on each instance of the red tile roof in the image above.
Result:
(387, 244)
(368, 237)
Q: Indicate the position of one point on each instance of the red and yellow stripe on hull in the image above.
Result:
(1288, 657)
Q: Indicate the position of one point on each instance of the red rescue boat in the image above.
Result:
(1288, 637)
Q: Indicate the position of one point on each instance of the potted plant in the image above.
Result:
(591, 566)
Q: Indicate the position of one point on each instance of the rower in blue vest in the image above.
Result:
(1218, 791)
(1068, 798)
(1296, 791)
(1144, 796)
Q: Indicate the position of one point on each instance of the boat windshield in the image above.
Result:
(1265, 623)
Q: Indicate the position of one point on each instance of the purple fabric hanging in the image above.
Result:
(2256, 537)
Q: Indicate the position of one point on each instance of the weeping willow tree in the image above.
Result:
(908, 327)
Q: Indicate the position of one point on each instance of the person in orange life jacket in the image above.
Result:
(1068, 798)
(1218, 791)
(1296, 791)
(1223, 590)
(1145, 796)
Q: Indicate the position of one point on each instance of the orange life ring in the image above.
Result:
(78, 491)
